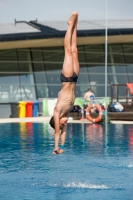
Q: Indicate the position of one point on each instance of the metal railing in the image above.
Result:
(116, 87)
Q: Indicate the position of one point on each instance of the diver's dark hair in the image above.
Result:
(52, 122)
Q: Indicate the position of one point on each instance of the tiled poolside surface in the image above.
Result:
(46, 119)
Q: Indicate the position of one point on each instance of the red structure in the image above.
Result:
(130, 86)
(29, 109)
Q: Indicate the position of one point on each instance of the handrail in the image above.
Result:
(116, 86)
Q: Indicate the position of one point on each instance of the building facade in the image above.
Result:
(31, 58)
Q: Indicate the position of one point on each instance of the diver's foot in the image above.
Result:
(72, 19)
(61, 151)
(58, 151)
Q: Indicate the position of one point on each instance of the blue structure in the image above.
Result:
(35, 109)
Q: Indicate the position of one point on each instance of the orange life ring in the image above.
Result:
(97, 119)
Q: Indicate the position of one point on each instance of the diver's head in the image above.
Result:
(63, 122)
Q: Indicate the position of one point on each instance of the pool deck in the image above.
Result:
(46, 119)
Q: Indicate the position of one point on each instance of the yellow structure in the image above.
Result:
(22, 109)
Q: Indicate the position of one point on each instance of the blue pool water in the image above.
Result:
(97, 162)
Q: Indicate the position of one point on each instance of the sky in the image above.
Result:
(49, 10)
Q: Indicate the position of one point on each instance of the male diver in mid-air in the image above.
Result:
(69, 76)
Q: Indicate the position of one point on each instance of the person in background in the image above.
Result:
(69, 76)
(89, 95)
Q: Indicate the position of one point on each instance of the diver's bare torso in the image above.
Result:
(66, 98)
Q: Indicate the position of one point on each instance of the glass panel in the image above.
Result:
(6, 92)
(9, 93)
(15, 93)
(112, 79)
(53, 78)
(116, 48)
(117, 69)
(81, 89)
(94, 53)
(23, 55)
(81, 54)
(83, 79)
(118, 79)
(128, 53)
(54, 54)
(25, 92)
(130, 69)
(26, 78)
(25, 67)
(38, 67)
(29, 90)
(9, 79)
(130, 78)
(128, 47)
(57, 68)
(129, 58)
(97, 79)
(37, 54)
(40, 77)
(99, 91)
(120, 69)
(42, 91)
(8, 55)
(8, 67)
(116, 56)
(121, 92)
(54, 90)
(83, 68)
(108, 91)
(96, 69)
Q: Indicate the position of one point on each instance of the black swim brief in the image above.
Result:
(73, 78)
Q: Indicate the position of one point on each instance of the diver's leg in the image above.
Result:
(60, 150)
(56, 140)
(74, 48)
(63, 138)
(68, 60)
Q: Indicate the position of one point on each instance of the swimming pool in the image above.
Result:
(97, 162)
